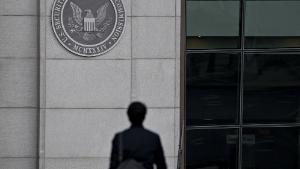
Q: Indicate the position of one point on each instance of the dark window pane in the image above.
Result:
(212, 88)
(212, 24)
(272, 24)
(272, 88)
(271, 148)
(216, 148)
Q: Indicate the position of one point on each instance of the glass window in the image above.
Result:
(212, 24)
(272, 88)
(271, 148)
(212, 88)
(214, 148)
(265, 79)
(272, 24)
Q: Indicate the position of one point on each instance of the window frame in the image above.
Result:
(243, 51)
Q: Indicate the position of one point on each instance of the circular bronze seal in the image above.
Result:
(88, 27)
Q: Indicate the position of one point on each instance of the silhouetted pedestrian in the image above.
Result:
(137, 144)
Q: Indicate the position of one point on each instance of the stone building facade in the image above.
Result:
(60, 111)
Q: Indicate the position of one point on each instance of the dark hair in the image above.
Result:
(136, 113)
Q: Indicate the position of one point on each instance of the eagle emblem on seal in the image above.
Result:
(88, 28)
(86, 25)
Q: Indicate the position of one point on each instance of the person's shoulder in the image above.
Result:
(119, 133)
(151, 133)
(122, 132)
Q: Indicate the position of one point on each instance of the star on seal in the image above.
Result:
(88, 28)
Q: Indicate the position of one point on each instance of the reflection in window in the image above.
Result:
(216, 148)
(272, 148)
(212, 24)
(272, 24)
(272, 88)
(212, 88)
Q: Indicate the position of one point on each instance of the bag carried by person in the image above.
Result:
(130, 163)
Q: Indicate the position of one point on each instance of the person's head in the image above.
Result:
(136, 113)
